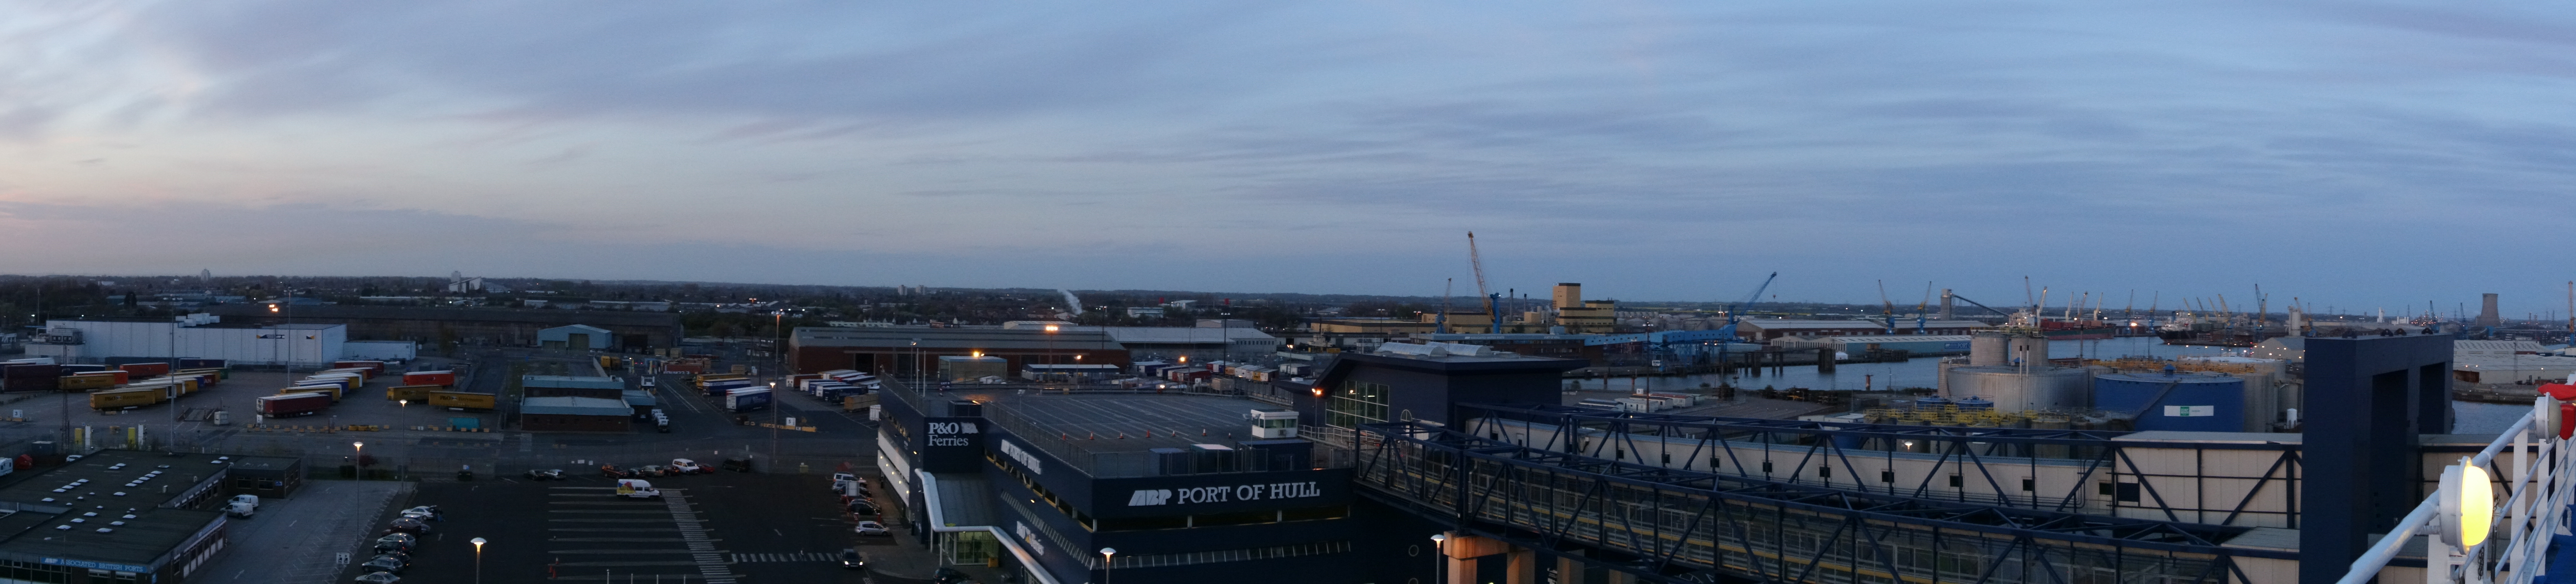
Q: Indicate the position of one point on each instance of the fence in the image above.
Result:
(2534, 511)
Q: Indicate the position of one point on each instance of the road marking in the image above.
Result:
(701, 549)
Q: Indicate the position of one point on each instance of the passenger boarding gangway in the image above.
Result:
(1676, 525)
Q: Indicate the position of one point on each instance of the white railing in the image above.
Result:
(2531, 511)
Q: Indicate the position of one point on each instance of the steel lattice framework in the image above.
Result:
(1693, 526)
(1974, 454)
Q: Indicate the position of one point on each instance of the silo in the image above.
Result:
(2183, 402)
(2011, 390)
(1988, 348)
(2031, 348)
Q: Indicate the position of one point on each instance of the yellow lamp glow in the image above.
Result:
(2468, 505)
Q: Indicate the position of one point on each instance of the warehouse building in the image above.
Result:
(916, 350)
(1764, 329)
(575, 414)
(577, 337)
(1207, 342)
(628, 331)
(199, 336)
(78, 524)
(572, 386)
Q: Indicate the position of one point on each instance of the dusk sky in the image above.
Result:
(2355, 155)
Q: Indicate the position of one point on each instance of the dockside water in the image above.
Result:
(2471, 417)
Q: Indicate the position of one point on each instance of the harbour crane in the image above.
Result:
(1889, 313)
(1735, 314)
(1493, 302)
(1918, 309)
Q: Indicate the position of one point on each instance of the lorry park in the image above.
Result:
(446, 432)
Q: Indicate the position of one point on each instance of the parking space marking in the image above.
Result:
(701, 548)
(793, 557)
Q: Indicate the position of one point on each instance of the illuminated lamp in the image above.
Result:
(2468, 505)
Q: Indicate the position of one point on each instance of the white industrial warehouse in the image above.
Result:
(205, 336)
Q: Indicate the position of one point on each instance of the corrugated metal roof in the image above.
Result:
(575, 406)
(1184, 334)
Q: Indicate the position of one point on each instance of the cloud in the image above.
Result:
(1662, 150)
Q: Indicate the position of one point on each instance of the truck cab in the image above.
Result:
(242, 505)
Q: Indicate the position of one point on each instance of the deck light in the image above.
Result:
(2468, 505)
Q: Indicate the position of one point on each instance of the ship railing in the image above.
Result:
(2537, 492)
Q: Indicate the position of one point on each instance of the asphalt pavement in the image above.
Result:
(708, 528)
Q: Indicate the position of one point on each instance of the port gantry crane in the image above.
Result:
(1493, 302)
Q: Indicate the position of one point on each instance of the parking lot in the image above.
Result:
(707, 528)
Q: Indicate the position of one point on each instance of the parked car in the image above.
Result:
(408, 525)
(378, 578)
(551, 474)
(851, 559)
(611, 471)
(385, 563)
(396, 542)
(683, 466)
(872, 528)
(737, 464)
(863, 508)
(424, 512)
(652, 470)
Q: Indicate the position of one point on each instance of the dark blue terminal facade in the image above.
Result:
(1186, 487)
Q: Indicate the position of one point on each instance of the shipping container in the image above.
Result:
(373, 368)
(361, 372)
(418, 393)
(335, 391)
(127, 398)
(291, 404)
(462, 400)
(746, 399)
(147, 369)
(216, 374)
(85, 382)
(438, 378)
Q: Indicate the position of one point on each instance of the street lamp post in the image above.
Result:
(359, 460)
(1107, 556)
(1439, 561)
(1050, 334)
(478, 560)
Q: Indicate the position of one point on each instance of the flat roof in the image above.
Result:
(1098, 420)
(575, 406)
(952, 338)
(1184, 335)
(151, 532)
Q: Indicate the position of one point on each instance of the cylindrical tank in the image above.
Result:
(2184, 402)
(1930, 403)
(1988, 348)
(2007, 389)
(2031, 348)
(1975, 403)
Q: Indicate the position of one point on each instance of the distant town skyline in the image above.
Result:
(2360, 156)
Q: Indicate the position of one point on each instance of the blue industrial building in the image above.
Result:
(576, 337)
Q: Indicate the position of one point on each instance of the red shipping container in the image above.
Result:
(146, 369)
(293, 404)
(439, 378)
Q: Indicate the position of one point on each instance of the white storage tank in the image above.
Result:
(1988, 348)
(2012, 390)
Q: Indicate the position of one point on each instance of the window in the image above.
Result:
(2026, 484)
(2126, 493)
(1887, 476)
(1955, 482)
(1357, 403)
